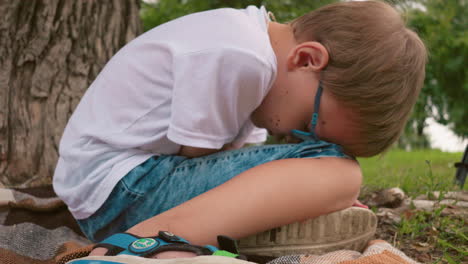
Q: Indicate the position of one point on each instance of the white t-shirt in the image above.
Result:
(193, 81)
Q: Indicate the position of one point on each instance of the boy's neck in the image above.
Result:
(282, 40)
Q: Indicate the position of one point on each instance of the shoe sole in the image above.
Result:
(350, 229)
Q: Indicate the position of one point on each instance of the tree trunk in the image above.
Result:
(50, 52)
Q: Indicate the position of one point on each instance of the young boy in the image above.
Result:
(155, 143)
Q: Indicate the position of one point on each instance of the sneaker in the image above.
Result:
(350, 229)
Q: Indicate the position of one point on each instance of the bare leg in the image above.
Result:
(267, 196)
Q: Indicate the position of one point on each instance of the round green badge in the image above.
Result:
(143, 243)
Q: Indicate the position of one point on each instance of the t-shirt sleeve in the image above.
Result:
(214, 94)
(258, 135)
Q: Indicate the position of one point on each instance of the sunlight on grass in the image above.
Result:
(422, 172)
(415, 172)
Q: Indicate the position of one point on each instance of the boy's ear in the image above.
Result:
(309, 56)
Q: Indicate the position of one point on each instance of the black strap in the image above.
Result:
(111, 249)
(197, 250)
(228, 244)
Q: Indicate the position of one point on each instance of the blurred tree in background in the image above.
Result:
(441, 24)
(161, 11)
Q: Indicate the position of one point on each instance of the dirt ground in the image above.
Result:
(426, 235)
(408, 245)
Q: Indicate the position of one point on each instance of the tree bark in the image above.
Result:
(50, 52)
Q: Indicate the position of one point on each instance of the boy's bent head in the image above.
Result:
(376, 67)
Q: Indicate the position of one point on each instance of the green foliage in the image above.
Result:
(165, 10)
(287, 10)
(443, 25)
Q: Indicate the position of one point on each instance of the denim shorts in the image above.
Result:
(163, 182)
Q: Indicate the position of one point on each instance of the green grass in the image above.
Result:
(444, 236)
(415, 172)
(421, 172)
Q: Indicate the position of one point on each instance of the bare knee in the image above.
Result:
(328, 184)
(347, 179)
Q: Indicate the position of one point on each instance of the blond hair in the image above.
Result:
(376, 66)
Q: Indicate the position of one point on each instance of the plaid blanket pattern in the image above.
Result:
(37, 228)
